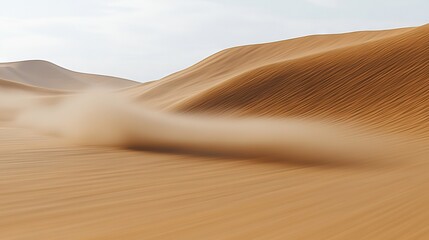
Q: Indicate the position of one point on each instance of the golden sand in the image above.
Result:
(320, 137)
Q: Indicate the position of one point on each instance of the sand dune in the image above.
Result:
(11, 86)
(232, 62)
(383, 81)
(48, 75)
(320, 137)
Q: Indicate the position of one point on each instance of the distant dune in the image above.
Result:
(318, 137)
(44, 74)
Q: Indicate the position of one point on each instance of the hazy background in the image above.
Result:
(148, 39)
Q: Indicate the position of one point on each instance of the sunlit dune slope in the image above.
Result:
(232, 62)
(385, 82)
(48, 75)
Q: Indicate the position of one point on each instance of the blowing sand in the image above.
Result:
(322, 137)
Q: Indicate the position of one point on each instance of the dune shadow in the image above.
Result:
(285, 161)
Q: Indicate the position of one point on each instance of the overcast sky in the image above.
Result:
(148, 39)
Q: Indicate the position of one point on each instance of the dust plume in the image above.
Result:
(105, 119)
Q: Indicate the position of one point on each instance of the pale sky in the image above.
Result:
(145, 40)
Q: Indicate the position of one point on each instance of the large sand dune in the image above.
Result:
(320, 137)
(229, 63)
(383, 81)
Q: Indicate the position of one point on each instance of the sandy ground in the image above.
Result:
(51, 190)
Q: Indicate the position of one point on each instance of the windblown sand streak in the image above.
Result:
(106, 120)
